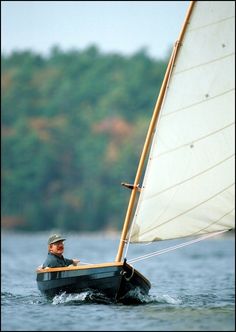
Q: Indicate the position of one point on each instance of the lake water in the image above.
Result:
(193, 288)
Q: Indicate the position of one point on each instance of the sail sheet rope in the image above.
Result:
(165, 250)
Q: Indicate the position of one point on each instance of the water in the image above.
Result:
(192, 287)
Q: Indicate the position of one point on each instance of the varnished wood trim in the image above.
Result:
(78, 267)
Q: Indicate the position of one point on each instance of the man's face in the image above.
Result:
(57, 248)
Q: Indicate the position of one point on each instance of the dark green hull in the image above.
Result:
(117, 282)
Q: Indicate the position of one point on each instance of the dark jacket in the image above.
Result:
(56, 261)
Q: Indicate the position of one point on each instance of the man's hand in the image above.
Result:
(76, 261)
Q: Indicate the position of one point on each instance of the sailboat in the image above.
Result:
(187, 162)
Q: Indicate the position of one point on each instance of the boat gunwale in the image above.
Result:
(78, 267)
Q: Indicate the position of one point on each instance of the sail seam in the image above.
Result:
(204, 64)
(190, 178)
(198, 103)
(211, 24)
(192, 208)
(217, 222)
(196, 140)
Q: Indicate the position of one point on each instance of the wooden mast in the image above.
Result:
(150, 134)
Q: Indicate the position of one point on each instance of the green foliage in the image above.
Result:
(73, 127)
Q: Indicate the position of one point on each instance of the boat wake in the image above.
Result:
(132, 298)
(88, 297)
(166, 299)
(80, 298)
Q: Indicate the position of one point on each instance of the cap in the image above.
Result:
(54, 238)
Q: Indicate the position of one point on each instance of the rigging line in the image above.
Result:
(194, 141)
(187, 211)
(165, 250)
(191, 178)
(204, 63)
(198, 103)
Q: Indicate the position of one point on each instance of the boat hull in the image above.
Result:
(116, 281)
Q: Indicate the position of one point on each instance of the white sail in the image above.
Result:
(188, 187)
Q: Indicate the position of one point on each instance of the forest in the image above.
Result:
(73, 128)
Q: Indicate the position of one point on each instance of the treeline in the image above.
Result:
(73, 127)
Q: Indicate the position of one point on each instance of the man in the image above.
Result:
(55, 251)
